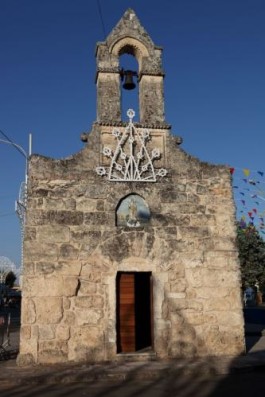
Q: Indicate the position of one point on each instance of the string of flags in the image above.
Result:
(249, 195)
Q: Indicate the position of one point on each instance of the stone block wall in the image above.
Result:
(73, 251)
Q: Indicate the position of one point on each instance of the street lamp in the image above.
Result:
(21, 203)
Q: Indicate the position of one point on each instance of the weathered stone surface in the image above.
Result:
(62, 332)
(184, 342)
(59, 268)
(46, 332)
(47, 267)
(90, 274)
(37, 218)
(28, 352)
(66, 303)
(116, 248)
(80, 350)
(85, 204)
(30, 233)
(171, 196)
(178, 285)
(176, 304)
(50, 286)
(33, 251)
(49, 310)
(25, 332)
(73, 249)
(69, 317)
(87, 288)
(53, 233)
(97, 218)
(68, 252)
(29, 312)
(229, 319)
(66, 217)
(24, 360)
(92, 301)
(96, 263)
(86, 235)
(89, 316)
(178, 271)
(52, 351)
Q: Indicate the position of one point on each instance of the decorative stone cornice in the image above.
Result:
(162, 126)
(147, 73)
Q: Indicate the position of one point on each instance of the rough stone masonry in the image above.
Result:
(81, 233)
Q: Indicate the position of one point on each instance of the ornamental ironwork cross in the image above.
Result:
(131, 161)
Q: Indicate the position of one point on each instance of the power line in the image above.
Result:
(104, 30)
(5, 136)
(101, 19)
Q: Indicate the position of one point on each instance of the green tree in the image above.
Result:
(251, 255)
(10, 279)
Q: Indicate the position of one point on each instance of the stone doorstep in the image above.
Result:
(134, 357)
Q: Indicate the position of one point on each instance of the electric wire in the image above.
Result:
(101, 19)
(105, 34)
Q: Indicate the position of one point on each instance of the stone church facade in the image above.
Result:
(130, 244)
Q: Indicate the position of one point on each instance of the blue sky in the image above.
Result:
(214, 60)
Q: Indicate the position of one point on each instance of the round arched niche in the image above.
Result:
(132, 211)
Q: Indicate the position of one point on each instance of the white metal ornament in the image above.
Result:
(131, 162)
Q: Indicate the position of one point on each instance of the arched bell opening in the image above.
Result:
(129, 85)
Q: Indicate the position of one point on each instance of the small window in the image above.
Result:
(132, 212)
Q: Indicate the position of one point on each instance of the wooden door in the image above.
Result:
(134, 311)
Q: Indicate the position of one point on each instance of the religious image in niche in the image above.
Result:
(133, 212)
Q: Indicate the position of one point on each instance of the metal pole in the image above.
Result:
(21, 203)
(30, 144)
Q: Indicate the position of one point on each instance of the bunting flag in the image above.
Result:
(246, 171)
(249, 196)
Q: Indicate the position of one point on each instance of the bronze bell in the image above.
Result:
(129, 84)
